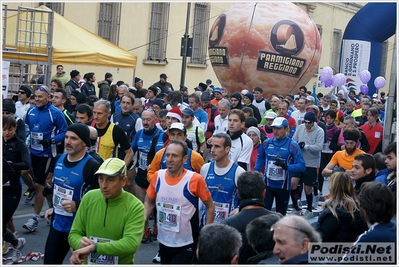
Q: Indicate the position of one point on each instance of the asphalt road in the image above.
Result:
(35, 242)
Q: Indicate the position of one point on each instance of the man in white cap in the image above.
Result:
(280, 156)
(109, 223)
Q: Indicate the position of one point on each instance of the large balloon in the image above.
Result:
(272, 45)
(364, 89)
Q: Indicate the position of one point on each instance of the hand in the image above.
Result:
(48, 213)
(301, 144)
(69, 205)
(80, 255)
(85, 242)
(281, 164)
(45, 143)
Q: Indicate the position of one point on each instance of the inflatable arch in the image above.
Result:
(362, 42)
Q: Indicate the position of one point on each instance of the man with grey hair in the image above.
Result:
(111, 137)
(222, 120)
(218, 244)
(292, 235)
(349, 107)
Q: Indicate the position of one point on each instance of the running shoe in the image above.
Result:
(30, 196)
(157, 258)
(146, 237)
(17, 254)
(31, 224)
(154, 233)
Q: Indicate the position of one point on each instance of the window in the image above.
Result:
(200, 33)
(384, 58)
(109, 21)
(56, 7)
(320, 29)
(158, 32)
(336, 49)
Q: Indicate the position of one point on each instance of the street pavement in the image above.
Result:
(35, 242)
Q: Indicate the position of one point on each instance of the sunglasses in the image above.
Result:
(21, 92)
(307, 122)
(342, 103)
(375, 102)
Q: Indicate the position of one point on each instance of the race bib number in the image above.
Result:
(275, 172)
(61, 194)
(95, 258)
(143, 161)
(221, 212)
(377, 135)
(35, 141)
(169, 216)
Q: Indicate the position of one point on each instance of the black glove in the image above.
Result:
(45, 143)
(281, 164)
(301, 144)
(47, 190)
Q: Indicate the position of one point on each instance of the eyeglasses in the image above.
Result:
(278, 227)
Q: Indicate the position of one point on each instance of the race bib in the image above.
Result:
(94, 258)
(377, 135)
(143, 161)
(61, 194)
(169, 216)
(35, 141)
(275, 172)
(221, 212)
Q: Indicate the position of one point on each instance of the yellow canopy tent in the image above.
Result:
(71, 44)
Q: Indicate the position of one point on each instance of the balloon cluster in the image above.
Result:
(365, 77)
(327, 76)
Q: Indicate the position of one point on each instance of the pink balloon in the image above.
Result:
(328, 83)
(365, 76)
(325, 74)
(338, 79)
(379, 82)
(364, 89)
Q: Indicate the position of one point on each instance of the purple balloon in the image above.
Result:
(328, 83)
(364, 89)
(325, 74)
(338, 79)
(379, 82)
(365, 76)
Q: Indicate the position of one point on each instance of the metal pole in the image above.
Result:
(390, 108)
(186, 35)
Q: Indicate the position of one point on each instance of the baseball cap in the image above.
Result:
(188, 112)
(310, 98)
(244, 92)
(178, 126)
(217, 90)
(310, 117)
(112, 167)
(163, 75)
(271, 115)
(375, 95)
(280, 122)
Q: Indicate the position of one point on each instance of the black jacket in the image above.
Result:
(345, 229)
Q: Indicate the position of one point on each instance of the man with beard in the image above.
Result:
(344, 158)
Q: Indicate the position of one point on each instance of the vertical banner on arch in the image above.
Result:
(355, 57)
(4, 79)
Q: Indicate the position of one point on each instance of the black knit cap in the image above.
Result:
(81, 130)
